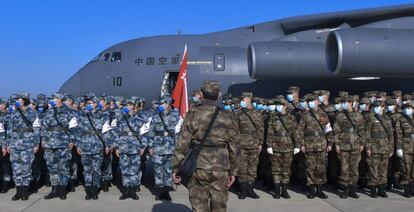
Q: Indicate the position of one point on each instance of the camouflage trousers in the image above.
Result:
(249, 159)
(74, 165)
(5, 168)
(208, 191)
(129, 164)
(349, 161)
(21, 162)
(407, 169)
(378, 166)
(57, 161)
(315, 168)
(163, 170)
(92, 169)
(107, 167)
(281, 164)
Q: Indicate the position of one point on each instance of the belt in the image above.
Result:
(218, 146)
(163, 133)
(58, 129)
(348, 130)
(23, 130)
(128, 133)
(247, 131)
(92, 132)
(281, 134)
(408, 135)
(313, 133)
(379, 135)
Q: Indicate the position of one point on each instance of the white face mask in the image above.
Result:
(355, 105)
(338, 107)
(303, 105)
(390, 108)
(363, 107)
(345, 106)
(272, 107)
(378, 110)
(408, 111)
(280, 108)
(321, 98)
(312, 104)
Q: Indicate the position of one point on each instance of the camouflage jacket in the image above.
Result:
(55, 136)
(126, 141)
(349, 130)
(316, 130)
(162, 139)
(380, 139)
(221, 150)
(406, 143)
(89, 141)
(4, 120)
(283, 132)
(251, 134)
(20, 136)
(396, 126)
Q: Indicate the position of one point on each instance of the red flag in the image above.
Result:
(180, 91)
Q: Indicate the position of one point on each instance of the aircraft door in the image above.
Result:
(168, 82)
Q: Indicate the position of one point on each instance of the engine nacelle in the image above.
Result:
(278, 59)
(369, 52)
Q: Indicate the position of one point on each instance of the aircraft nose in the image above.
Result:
(72, 85)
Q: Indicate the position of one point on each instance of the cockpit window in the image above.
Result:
(106, 56)
(116, 57)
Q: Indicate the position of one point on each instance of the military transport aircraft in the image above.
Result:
(368, 49)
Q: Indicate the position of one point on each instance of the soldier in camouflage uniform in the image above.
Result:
(218, 161)
(163, 132)
(363, 168)
(316, 128)
(251, 134)
(394, 165)
(349, 130)
(5, 165)
(282, 143)
(405, 149)
(380, 147)
(92, 146)
(129, 145)
(57, 141)
(22, 143)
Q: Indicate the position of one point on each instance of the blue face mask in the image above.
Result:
(125, 109)
(303, 105)
(345, 105)
(390, 108)
(11, 109)
(272, 107)
(408, 111)
(378, 110)
(290, 97)
(40, 109)
(17, 104)
(279, 108)
(243, 104)
(254, 104)
(52, 103)
(338, 107)
(227, 107)
(160, 109)
(363, 107)
(89, 107)
(312, 105)
(115, 105)
(100, 106)
(265, 107)
(195, 99)
(321, 98)
(260, 107)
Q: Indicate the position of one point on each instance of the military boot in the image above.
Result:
(285, 193)
(407, 192)
(251, 193)
(53, 194)
(345, 192)
(25, 193)
(166, 195)
(95, 192)
(62, 192)
(311, 194)
(243, 191)
(133, 193)
(159, 193)
(124, 193)
(352, 192)
(105, 186)
(412, 189)
(319, 192)
(381, 191)
(374, 193)
(5, 187)
(276, 195)
(71, 186)
(88, 191)
(18, 194)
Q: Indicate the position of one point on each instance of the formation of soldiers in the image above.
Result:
(61, 142)
(353, 141)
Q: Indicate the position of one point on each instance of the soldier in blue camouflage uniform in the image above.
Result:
(129, 146)
(107, 115)
(91, 146)
(145, 116)
(57, 142)
(22, 143)
(5, 165)
(162, 138)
